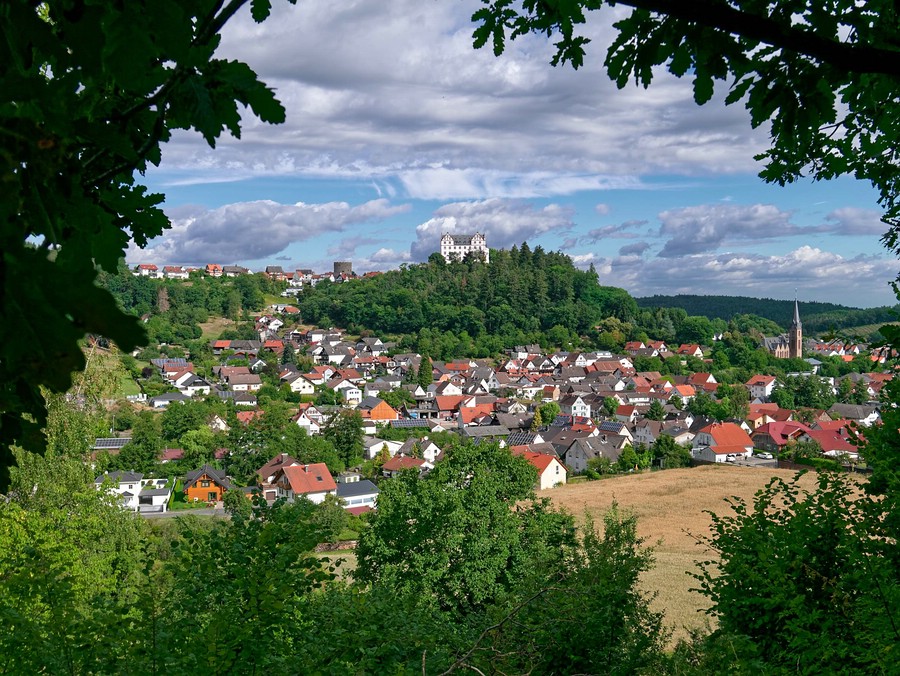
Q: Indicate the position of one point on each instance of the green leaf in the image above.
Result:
(260, 10)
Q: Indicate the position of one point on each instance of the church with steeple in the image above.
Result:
(790, 344)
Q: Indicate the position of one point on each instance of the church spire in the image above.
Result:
(795, 335)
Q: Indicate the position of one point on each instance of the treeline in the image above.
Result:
(816, 317)
(176, 307)
(522, 295)
(470, 309)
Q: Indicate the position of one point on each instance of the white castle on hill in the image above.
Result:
(455, 247)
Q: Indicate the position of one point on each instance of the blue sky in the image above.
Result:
(398, 130)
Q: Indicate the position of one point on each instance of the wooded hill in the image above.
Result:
(521, 296)
(816, 317)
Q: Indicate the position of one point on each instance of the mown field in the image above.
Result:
(671, 508)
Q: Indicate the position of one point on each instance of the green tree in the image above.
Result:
(536, 420)
(797, 566)
(288, 356)
(383, 456)
(69, 559)
(426, 374)
(590, 618)
(452, 540)
(628, 459)
(610, 406)
(89, 94)
(178, 419)
(669, 453)
(199, 448)
(330, 518)
(656, 411)
(397, 399)
(344, 430)
(235, 502)
(245, 579)
(142, 452)
(548, 412)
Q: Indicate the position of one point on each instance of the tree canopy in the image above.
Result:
(825, 76)
(89, 92)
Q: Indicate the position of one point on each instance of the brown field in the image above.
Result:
(215, 326)
(670, 507)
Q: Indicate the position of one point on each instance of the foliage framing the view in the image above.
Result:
(88, 93)
(826, 76)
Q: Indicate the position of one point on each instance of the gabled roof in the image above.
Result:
(217, 476)
(539, 461)
(275, 464)
(119, 477)
(314, 478)
(728, 435)
(399, 462)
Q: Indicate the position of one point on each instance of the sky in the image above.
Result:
(398, 130)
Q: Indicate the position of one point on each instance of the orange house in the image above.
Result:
(373, 408)
(206, 484)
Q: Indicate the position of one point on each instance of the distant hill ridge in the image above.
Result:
(815, 316)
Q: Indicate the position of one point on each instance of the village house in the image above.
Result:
(760, 387)
(550, 471)
(358, 495)
(312, 482)
(124, 485)
(581, 450)
(720, 442)
(206, 484)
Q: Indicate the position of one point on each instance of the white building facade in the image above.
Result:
(455, 247)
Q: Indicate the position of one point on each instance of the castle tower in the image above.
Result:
(795, 334)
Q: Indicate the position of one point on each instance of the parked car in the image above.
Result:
(731, 457)
(764, 456)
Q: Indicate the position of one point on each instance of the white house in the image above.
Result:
(456, 247)
(357, 494)
(761, 387)
(300, 384)
(155, 495)
(125, 485)
(373, 447)
(575, 406)
(551, 472)
(312, 482)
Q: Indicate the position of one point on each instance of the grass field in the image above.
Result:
(214, 327)
(127, 386)
(671, 510)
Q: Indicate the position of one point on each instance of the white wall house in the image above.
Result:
(455, 247)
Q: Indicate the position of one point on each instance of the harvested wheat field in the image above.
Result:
(670, 507)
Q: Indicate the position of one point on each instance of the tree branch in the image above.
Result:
(849, 57)
(461, 662)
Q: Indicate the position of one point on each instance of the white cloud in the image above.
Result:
(246, 231)
(504, 223)
(395, 93)
(855, 221)
(707, 227)
(814, 273)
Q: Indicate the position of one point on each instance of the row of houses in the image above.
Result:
(282, 477)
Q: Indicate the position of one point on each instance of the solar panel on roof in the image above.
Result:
(110, 442)
(409, 422)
